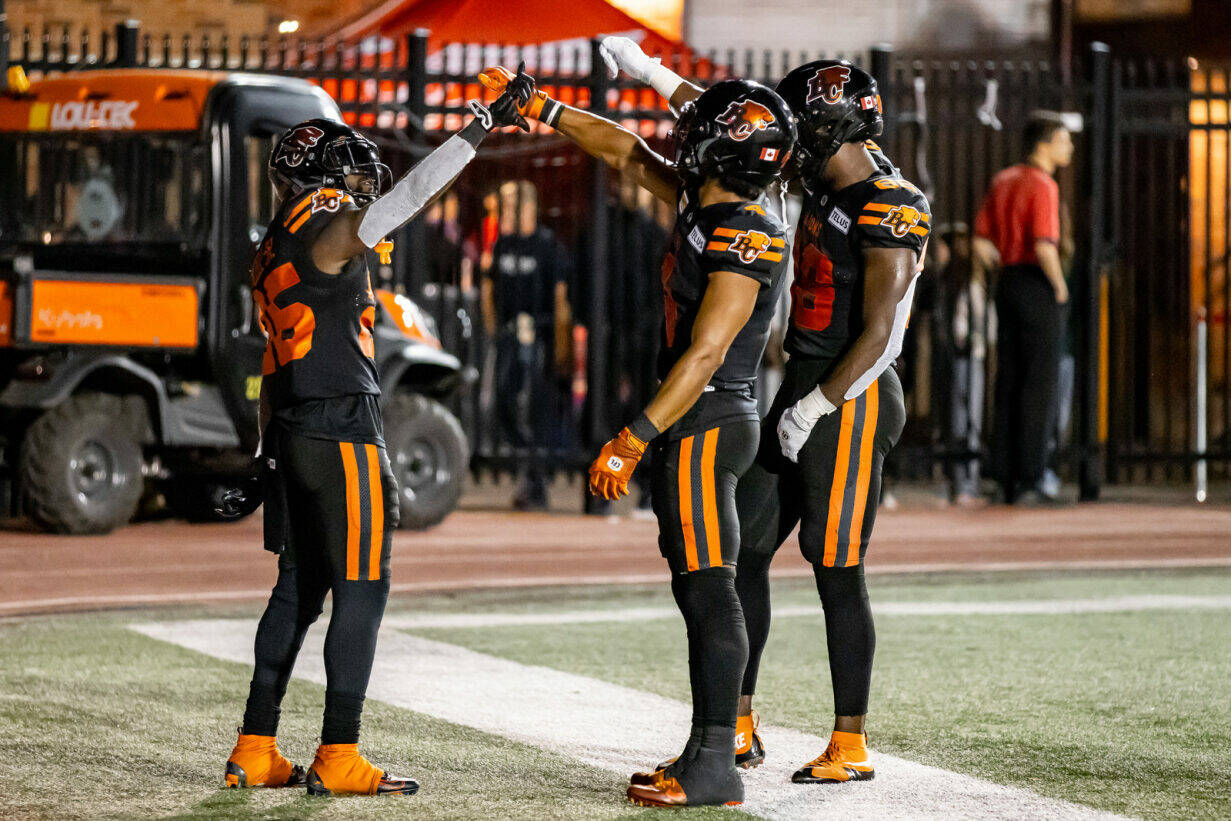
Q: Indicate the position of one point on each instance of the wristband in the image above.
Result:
(643, 428)
(814, 405)
(663, 80)
(544, 109)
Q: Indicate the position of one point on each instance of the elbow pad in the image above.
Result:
(413, 192)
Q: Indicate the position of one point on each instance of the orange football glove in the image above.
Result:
(539, 107)
(614, 466)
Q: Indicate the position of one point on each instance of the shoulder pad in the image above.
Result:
(327, 201)
(896, 213)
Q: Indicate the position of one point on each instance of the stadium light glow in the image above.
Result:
(288, 27)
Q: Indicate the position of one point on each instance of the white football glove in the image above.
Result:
(622, 54)
(797, 422)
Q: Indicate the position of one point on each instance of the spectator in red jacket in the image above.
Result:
(1019, 227)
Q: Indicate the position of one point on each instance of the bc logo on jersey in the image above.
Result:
(746, 117)
(827, 84)
(749, 245)
(901, 219)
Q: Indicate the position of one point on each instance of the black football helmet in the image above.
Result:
(322, 152)
(736, 129)
(834, 102)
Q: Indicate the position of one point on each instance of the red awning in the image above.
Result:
(505, 22)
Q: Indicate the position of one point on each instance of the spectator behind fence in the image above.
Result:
(444, 241)
(963, 326)
(1020, 218)
(526, 311)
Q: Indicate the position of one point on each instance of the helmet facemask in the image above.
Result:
(348, 157)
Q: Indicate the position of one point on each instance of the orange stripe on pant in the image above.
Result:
(709, 497)
(684, 472)
(354, 514)
(376, 500)
(867, 439)
(837, 490)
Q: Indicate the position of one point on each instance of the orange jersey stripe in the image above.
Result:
(864, 478)
(837, 491)
(685, 487)
(376, 501)
(709, 497)
(353, 513)
(771, 256)
(920, 230)
(777, 242)
(879, 206)
(726, 232)
(303, 203)
(870, 220)
(718, 246)
(299, 222)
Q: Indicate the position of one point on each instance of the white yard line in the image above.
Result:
(1112, 604)
(622, 730)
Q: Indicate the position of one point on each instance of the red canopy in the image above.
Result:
(505, 22)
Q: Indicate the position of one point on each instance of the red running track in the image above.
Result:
(175, 562)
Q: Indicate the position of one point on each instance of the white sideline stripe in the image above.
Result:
(1113, 604)
(229, 594)
(589, 721)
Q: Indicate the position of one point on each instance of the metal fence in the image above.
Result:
(1146, 232)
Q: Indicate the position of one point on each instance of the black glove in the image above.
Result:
(510, 106)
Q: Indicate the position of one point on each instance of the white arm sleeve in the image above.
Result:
(901, 315)
(413, 192)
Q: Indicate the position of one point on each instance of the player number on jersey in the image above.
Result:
(288, 328)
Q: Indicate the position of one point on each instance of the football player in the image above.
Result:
(322, 432)
(858, 249)
(721, 280)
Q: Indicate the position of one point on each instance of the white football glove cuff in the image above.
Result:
(797, 421)
(622, 54)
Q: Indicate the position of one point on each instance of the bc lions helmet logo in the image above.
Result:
(750, 245)
(827, 84)
(746, 117)
(294, 146)
(901, 220)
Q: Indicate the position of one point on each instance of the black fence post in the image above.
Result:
(413, 272)
(126, 43)
(1089, 281)
(880, 61)
(597, 364)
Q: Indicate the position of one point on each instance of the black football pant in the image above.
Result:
(342, 509)
(1027, 370)
(693, 494)
(832, 493)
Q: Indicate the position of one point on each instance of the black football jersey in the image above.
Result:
(319, 369)
(740, 237)
(834, 228)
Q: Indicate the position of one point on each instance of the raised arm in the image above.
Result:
(622, 54)
(598, 137)
(356, 230)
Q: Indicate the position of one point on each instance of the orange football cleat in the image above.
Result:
(749, 751)
(256, 762)
(338, 769)
(845, 759)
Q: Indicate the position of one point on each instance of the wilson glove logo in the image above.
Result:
(745, 117)
(827, 84)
